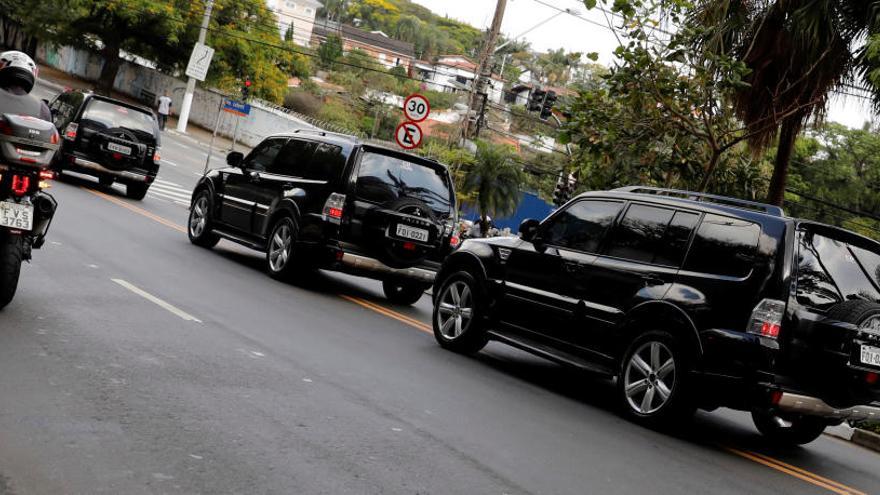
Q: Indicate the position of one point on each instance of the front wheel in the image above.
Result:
(458, 314)
(137, 191)
(403, 292)
(199, 230)
(654, 381)
(788, 433)
(11, 251)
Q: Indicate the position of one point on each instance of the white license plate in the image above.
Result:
(870, 355)
(415, 234)
(125, 150)
(16, 216)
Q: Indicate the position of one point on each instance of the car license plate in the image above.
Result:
(16, 216)
(870, 355)
(125, 150)
(415, 234)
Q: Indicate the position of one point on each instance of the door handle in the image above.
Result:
(254, 176)
(570, 267)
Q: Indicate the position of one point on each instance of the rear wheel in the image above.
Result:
(797, 431)
(200, 223)
(403, 291)
(458, 314)
(136, 191)
(654, 380)
(280, 250)
(11, 252)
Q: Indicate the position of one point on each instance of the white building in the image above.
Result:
(456, 72)
(297, 13)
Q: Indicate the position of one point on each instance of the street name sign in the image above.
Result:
(236, 107)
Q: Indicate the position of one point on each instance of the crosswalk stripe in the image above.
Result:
(169, 183)
(167, 196)
(180, 193)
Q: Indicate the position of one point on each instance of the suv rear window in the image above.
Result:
(723, 246)
(105, 115)
(384, 179)
(831, 271)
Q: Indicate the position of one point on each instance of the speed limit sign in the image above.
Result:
(416, 107)
(408, 135)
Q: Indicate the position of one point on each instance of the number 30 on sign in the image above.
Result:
(416, 108)
(408, 135)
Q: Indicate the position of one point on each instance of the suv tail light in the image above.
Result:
(156, 156)
(767, 318)
(70, 131)
(333, 208)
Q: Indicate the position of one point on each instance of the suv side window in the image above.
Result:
(723, 246)
(64, 108)
(263, 156)
(582, 225)
(673, 247)
(295, 158)
(327, 163)
(637, 237)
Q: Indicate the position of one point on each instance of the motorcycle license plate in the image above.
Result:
(870, 355)
(125, 150)
(16, 216)
(413, 233)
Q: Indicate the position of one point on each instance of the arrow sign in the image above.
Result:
(199, 61)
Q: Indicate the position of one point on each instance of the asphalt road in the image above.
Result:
(133, 362)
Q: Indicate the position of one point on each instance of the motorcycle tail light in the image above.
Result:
(454, 240)
(20, 184)
(70, 131)
(767, 318)
(334, 207)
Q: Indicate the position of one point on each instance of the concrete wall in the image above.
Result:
(138, 81)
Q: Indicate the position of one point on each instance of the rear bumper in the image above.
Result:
(812, 406)
(80, 164)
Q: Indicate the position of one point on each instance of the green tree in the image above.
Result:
(288, 34)
(797, 52)
(494, 181)
(330, 51)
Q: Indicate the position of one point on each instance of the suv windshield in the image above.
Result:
(384, 179)
(831, 271)
(105, 115)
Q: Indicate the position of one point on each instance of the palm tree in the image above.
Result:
(494, 181)
(798, 51)
(408, 28)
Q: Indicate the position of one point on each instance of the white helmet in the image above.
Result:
(17, 69)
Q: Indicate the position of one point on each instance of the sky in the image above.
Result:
(587, 32)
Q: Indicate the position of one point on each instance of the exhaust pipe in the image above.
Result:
(811, 406)
(45, 207)
(374, 265)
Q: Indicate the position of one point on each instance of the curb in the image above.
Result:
(867, 439)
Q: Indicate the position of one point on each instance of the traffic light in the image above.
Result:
(547, 105)
(536, 100)
(246, 89)
(564, 187)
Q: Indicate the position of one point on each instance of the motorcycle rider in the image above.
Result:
(18, 74)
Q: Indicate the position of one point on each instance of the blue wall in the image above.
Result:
(530, 206)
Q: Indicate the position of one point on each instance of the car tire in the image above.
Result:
(106, 181)
(788, 433)
(855, 312)
(200, 224)
(281, 263)
(11, 254)
(654, 382)
(458, 316)
(403, 291)
(136, 191)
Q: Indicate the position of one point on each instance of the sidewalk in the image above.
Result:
(60, 81)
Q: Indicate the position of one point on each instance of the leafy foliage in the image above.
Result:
(493, 181)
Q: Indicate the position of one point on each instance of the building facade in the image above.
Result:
(300, 14)
(456, 73)
(387, 51)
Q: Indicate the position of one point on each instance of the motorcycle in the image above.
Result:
(27, 146)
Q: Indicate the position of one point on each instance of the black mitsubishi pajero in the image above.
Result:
(314, 199)
(689, 300)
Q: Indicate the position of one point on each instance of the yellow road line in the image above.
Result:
(140, 211)
(389, 313)
(801, 474)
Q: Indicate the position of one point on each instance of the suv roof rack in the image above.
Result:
(322, 132)
(713, 198)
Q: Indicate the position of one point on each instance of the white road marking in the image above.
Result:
(155, 300)
(167, 183)
(258, 354)
(172, 191)
(307, 380)
(168, 195)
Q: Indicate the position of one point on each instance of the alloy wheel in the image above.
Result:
(198, 217)
(279, 247)
(649, 378)
(456, 310)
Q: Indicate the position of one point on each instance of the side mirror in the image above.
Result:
(46, 101)
(528, 229)
(234, 159)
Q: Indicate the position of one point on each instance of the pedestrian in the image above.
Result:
(164, 109)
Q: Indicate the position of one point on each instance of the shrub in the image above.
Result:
(336, 112)
(302, 102)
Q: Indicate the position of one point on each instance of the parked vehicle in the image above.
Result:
(27, 145)
(313, 199)
(109, 139)
(689, 300)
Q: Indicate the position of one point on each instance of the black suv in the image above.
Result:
(109, 139)
(689, 300)
(313, 199)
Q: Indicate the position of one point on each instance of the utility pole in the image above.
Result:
(484, 67)
(191, 84)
